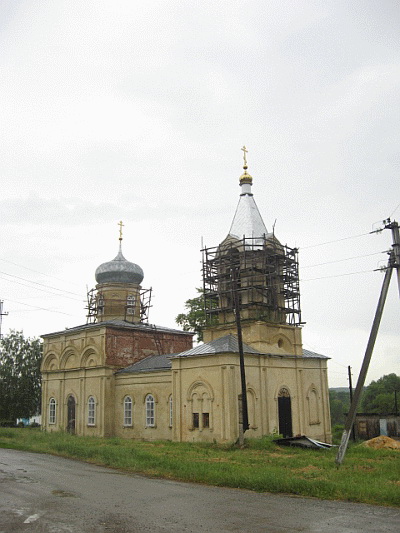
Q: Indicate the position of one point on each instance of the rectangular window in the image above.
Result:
(196, 420)
(130, 305)
(206, 420)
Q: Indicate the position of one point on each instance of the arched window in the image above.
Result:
(200, 398)
(127, 411)
(171, 412)
(52, 411)
(150, 411)
(91, 411)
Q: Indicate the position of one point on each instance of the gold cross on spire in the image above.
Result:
(120, 229)
(244, 156)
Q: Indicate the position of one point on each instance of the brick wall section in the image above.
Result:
(124, 347)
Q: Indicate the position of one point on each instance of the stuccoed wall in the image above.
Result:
(138, 386)
(267, 338)
(219, 375)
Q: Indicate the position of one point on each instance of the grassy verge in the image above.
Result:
(368, 476)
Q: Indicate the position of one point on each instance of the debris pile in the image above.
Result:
(382, 442)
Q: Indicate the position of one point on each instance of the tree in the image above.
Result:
(379, 396)
(195, 318)
(339, 401)
(20, 379)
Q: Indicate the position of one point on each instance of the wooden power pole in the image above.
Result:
(393, 264)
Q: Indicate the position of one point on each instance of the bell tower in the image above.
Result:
(251, 265)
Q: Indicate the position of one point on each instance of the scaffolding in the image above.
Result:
(95, 306)
(265, 275)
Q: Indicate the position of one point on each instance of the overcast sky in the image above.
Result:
(138, 110)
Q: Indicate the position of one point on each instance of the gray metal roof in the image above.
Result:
(119, 270)
(247, 221)
(308, 353)
(152, 363)
(120, 324)
(226, 344)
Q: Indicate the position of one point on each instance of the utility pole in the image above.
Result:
(243, 412)
(1, 316)
(393, 263)
(353, 433)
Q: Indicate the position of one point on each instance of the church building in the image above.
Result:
(118, 375)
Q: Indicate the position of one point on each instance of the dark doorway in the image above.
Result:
(285, 413)
(71, 408)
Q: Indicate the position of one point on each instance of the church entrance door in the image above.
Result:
(71, 408)
(285, 413)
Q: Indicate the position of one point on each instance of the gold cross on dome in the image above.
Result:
(244, 155)
(120, 229)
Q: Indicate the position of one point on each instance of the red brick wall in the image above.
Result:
(124, 347)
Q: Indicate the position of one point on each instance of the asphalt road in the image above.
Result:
(42, 493)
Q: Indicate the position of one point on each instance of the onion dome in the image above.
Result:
(119, 270)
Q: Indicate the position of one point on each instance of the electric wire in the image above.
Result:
(41, 290)
(339, 275)
(37, 272)
(37, 283)
(40, 308)
(394, 211)
(336, 240)
(341, 260)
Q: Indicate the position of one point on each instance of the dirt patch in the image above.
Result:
(382, 442)
(307, 469)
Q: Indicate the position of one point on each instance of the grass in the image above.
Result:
(367, 475)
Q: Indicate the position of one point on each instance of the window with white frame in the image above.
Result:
(52, 411)
(150, 411)
(91, 411)
(127, 411)
(130, 304)
(171, 412)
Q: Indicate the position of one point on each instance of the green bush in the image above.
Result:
(7, 424)
(337, 431)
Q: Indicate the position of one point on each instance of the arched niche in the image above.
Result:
(50, 362)
(90, 358)
(313, 402)
(69, 359)
(282, 341)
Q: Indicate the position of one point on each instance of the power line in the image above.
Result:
(337, 240)
(37, 283)
(394, 211)
(37, 271)
(339, 275)
(341, 260)
(41, 290)
(40, 308)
